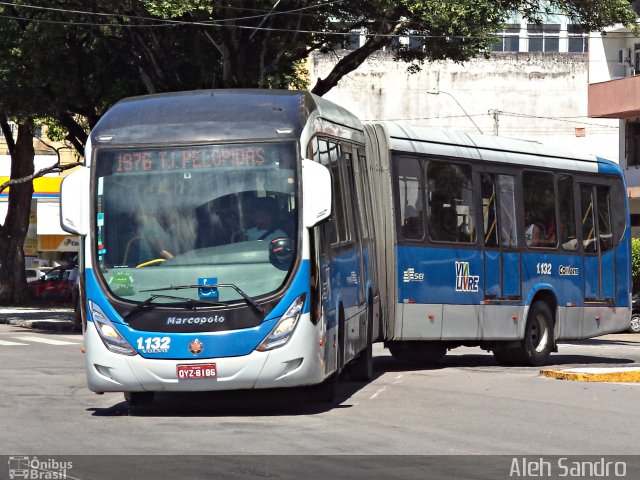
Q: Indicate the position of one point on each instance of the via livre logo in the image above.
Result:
(464, 281)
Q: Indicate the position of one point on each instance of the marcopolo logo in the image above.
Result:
(465, 282)
(195, 320)
(24, 467)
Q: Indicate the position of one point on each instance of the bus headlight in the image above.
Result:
(283, 330)
(108, 333)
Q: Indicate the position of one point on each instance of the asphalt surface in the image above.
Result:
(60, 319)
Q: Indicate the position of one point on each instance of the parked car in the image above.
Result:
(635, 314)
(53, 285)
(35, 273)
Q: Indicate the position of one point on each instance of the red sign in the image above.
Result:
(197, 371)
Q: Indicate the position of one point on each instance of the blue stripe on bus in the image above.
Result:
(428, 275)
(216, 344)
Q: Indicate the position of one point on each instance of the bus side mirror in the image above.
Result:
(316, 184)
(75, 202)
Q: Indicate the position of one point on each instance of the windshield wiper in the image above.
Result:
(257, 308)
(183, 302)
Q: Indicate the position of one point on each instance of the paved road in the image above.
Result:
(468, 406)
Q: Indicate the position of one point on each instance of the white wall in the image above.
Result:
(537, 96)
(603, 55)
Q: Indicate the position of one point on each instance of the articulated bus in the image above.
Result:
(504, 244)
(252, 239)
(226, 244)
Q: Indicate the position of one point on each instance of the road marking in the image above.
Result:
(377, 393)
(7, 343)
(48, 341)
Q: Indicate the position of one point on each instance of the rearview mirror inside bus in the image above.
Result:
(316, 184)
(74, 202)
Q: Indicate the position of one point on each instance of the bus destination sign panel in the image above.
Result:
(198, 157)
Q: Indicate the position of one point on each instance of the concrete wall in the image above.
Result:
(534, 96)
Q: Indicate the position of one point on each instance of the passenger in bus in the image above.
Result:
(443, 219)
(412, 227)
(265, 219)
(534, 232)
(550, 230)
(155, 243)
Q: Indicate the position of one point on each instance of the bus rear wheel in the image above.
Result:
(535, 348)
(417, 354)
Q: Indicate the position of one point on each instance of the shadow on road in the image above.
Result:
(298, 401)
(271, 402)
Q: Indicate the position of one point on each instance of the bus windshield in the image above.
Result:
(196, 215)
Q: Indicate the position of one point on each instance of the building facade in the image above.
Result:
(614, 93)
(533, 86)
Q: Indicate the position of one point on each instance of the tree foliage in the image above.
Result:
(635, 263)
(68, 61)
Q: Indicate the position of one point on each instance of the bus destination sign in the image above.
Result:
(197, 157)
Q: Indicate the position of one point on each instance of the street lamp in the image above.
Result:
(438, 92)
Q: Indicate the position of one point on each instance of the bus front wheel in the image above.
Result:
(138, 399)
(361, 368)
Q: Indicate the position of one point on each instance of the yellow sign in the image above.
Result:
(43, 187)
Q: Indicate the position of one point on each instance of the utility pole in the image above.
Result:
(496, 120)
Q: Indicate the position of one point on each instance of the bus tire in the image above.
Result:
(324, 392)
(505, 356)
(417, 354)
(635, 323)
(361, 368)
(535, 348)
(138, 399)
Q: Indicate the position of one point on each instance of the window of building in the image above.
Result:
(508, 39)
(544, 37)
(578, 37)
(632, 130)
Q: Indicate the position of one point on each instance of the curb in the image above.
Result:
(613, 374)
(57, 320)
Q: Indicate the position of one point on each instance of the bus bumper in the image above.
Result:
(297, 363)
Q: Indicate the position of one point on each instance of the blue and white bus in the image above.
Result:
(504, 244)
(215, 255)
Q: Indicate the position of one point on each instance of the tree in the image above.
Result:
(635, 264)
(70, 60)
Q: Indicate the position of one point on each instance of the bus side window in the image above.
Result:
(567, 226)
(507, 211)
(588, 219)
(539, 209)
(489, 214)
(450, 197)
(410, 194)
(605, 233)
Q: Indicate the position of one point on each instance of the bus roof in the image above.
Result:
(204, 116)
(449, 143)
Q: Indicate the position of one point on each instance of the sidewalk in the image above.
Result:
(59, 319)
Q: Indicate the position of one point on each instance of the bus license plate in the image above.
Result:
(197, 372)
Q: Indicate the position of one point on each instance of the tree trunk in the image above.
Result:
(13, 284)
